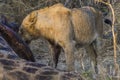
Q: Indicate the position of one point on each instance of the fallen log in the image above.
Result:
(16, 43)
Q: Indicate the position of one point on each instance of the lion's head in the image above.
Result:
(27, 27)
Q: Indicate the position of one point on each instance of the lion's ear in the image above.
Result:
(33, 17)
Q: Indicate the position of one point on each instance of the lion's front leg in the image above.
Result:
(54, 54)
(68, 47)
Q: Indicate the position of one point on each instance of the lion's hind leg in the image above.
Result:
(93, 56)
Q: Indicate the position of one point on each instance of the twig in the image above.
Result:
(114, 36)
(66, 3)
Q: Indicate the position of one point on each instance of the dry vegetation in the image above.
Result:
(16, 10)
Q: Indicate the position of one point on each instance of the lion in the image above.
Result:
(65, 29)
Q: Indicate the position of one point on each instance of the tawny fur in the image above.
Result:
(64, 28)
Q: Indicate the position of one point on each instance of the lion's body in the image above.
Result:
(62, 26)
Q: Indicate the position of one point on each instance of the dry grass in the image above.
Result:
(16, 10)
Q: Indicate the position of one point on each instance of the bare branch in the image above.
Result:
(114, 35)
